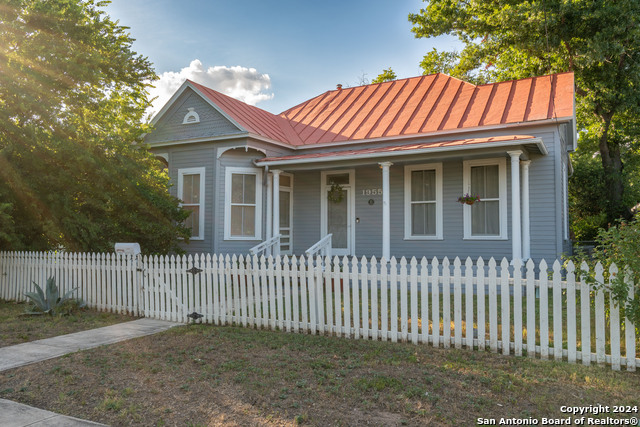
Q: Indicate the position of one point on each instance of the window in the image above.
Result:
(286, 213)
(423, 201)
(191, 193)
(191, 117)
(243, 203)
(487, 218)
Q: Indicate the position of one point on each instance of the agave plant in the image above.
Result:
(49, 301)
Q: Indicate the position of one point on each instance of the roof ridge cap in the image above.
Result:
(525, 78)
(230, 97)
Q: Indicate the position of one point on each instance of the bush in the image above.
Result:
(620, 245)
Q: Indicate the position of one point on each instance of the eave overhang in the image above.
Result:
(532, 144)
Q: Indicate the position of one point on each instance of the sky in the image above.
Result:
(273, 54)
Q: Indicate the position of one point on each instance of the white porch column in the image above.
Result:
(276, 206)
(526, 232)
(386, 213)
(269, 212)
(516, 225)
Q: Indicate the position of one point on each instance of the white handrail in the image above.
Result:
(268, 247)
(322, 247)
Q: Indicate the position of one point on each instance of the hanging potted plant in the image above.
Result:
(468, 199)
(335, 193)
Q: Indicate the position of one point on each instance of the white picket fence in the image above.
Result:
(505, 308)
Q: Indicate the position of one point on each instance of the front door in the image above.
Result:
(338, 218)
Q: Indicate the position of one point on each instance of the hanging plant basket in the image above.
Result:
(468, 199)
(335, 193)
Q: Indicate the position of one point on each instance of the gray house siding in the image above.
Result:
(368, 234)
(546, 178)
(306, 210)
(170, 127)
(196, 155)
(235, 158)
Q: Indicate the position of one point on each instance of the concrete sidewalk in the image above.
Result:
(49, 348)
(18, 415)
(13, 414)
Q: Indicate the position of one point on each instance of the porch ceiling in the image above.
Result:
(532, 144)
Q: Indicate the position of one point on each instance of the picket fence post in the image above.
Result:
(405, 300)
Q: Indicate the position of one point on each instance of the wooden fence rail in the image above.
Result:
(501, 307)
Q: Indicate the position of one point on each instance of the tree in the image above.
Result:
(72, 100)
(386, 76)
(598, 40)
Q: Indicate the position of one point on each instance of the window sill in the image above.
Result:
(423, 238)
(243, 239)
(485, 238)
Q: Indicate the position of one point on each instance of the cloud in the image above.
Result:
(242, 83)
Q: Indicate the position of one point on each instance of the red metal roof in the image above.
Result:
(399, 149)
(407, 107)
(252, 119)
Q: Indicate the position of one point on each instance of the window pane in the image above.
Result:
(341, 179)
(193, 220)
(249, 189)
(423, 219)
(478, 215)
(485, 181)
(477, 181)
(493, 217)
(285, 181)
(195, 195)
(485, 218)
(236, 188)
(236, 220)
(337, 222)
(248, 221)
(492, 182)
(423, 185)
(187, 188)
(284, 208)
(417, 219)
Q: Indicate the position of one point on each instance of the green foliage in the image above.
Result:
(598, 40)
(50, 301)
(620, 245)
(387, 75)
(73, 169)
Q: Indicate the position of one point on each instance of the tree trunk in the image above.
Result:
(612, 165)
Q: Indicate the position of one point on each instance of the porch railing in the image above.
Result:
(322, 248)
(270, 247)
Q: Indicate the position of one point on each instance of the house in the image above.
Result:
(379, 167)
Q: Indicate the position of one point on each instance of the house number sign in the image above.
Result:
(372, 192)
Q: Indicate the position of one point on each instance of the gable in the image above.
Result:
(170, 126)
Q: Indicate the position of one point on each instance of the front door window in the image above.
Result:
(338, 220)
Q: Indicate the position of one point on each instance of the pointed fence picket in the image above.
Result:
(499, 306)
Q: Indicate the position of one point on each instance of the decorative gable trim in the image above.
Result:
(180, 91)
(191, 117)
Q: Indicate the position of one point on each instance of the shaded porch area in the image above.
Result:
(402, 200)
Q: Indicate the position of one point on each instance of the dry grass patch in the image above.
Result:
(203, 375)
(17, 328)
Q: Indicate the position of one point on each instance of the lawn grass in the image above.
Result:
(17, 328)
(222, 375)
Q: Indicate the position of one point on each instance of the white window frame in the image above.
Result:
(502, 197)
(227, 202)
(194, 171)
(437, 167)
(288, 189)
